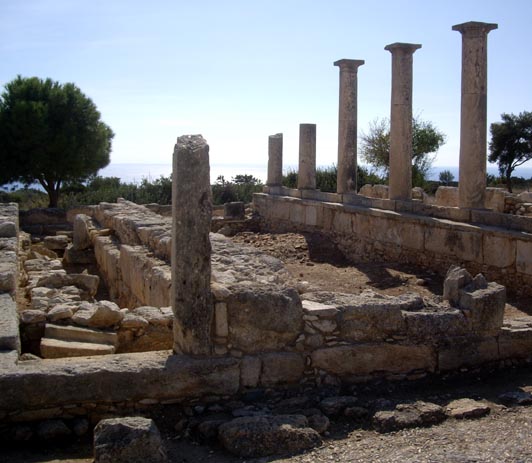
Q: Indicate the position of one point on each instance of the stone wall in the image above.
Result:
(406, 232)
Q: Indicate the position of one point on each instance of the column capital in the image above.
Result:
(349, 64)
(475, 28)
(402, 47)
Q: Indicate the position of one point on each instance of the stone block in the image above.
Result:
(220, 319)
(311, 215)
(234, 210)
(250, 368)
(484, 307)
(343, 222)
(447, 196)
(458, 352)
(297, 213)
(281, 368)
(128, 440)
(454, 242)
(263, 319)
(523, 259)
(455, 280)
(9, 330)
(74, 333)
(431, 326)
(292, 192)
(365, 359)
(494, 199)
(82, 227)
(8, 229)
(499, 250)
(57, 348)
(515, 343)
(356, 200)
(319, 310)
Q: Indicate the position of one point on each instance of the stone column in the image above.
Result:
(306, 176)
(473, 114)
(400, 174)
(191, 247)
(347, 126)
(275, 160)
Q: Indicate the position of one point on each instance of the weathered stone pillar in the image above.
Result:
(306, 176)
(473, 115)
(400, 174)
(191, 247)
(347, 126)
(275, 160)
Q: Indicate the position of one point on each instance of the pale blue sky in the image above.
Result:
(237, 71)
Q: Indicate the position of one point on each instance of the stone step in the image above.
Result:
(78, 334)
(56, 348)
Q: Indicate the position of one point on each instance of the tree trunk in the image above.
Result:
(509, 180)
(53, 196)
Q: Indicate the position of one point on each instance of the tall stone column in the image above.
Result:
(306, 176)
(347, 126)
(191, 246)
(400, 179)
(473, 114)
(275, 160)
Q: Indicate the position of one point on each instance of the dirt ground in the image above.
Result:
(505, 435)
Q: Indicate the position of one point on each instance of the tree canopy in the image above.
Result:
(50, 133)
(511, 143)
(426, 139)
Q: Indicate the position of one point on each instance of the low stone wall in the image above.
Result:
(391, 233)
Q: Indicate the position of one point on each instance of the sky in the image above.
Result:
(237, 71)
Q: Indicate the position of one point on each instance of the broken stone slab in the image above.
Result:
(268, 435)
(75, 333)
(431, 325)
(131, 439)
(100, 314)
(76, 256)
(56, 348)
(467, 408)
(31, 316)
(133, 321)
(455, 279)
(82, 227)
(59, 312)
(8, 230)
(154, 315)
(318, 309)
(409, 416)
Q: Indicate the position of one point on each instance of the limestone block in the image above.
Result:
(455, 280)
(499, 251)
(59, 312)
(447, 196)
(128, 440)
(58, 242)
(151, 338)
(281, 210)
(318, 309)
(311, 214)
(515, 343)
(457, 352)
(74, 256)
(8, 229)
(364, 359)
(524, 257)
(9, 331)
(343, 222)
(75, 333)
(389, 230)
(494, 199)
(297, 213)
(484, 307)
(250, 368)
(31, 317)
(8, 276)
(132, 321)
(433, 325)
(82, 226)
(462, 244)
(154, 315)
(56, 348)
(281, 368)
(220, 319)
(263, 319)
(100, 314)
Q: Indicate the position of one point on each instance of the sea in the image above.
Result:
(135, 173)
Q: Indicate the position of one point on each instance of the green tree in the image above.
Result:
(511, 143)
(50, 133)
(426, 140)
(446, 177)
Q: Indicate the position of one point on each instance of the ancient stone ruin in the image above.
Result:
(121, 307)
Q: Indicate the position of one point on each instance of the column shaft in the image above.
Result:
(400, 173)
(275, 160)
(306, 177)
(191, 247)
(347, 126)
(473, 114)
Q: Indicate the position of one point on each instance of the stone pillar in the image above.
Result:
(275, 160)
(306, 176)
(400, 174)
(347, 126)
(191, 247)
(473, 114)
